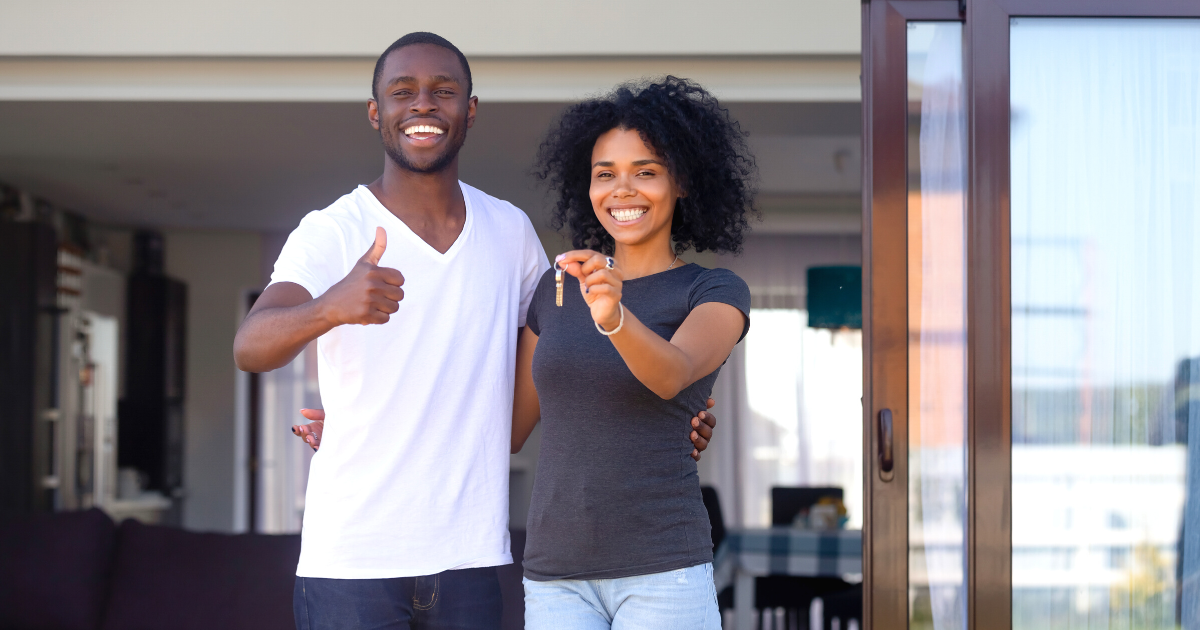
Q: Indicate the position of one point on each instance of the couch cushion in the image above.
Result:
(170, 578)
(54, 570)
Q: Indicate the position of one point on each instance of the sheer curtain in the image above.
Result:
(777, 426)
(284, 458)
(937, 356)
(1106, 322)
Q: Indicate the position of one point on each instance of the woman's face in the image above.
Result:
(632, 192)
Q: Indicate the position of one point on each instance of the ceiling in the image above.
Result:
(261, 166)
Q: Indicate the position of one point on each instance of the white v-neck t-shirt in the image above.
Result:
(412, 474)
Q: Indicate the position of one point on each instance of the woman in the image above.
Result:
(619, 347)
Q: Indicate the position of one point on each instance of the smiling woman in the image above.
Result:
(686, 132)
(618, 534)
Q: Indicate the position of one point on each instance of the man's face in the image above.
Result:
(422, 112)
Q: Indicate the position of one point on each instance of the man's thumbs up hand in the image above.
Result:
(369, 294)
(377, 248)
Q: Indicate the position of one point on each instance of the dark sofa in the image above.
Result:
(80, 571)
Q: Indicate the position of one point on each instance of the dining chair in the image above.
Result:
(788, 501)
(792, 593)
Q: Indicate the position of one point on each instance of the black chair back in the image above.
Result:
(787, 502)
(715, 518)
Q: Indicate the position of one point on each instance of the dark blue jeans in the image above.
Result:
(466, 599)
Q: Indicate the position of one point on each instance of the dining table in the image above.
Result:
(749, 553)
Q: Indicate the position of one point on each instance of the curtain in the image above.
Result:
(284, 458)
(752, 450)
(937, 446)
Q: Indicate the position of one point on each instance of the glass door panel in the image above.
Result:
(1105, 280)
(937, 350)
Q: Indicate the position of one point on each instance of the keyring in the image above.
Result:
(609, 262)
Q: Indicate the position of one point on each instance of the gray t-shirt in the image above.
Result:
(616, 492)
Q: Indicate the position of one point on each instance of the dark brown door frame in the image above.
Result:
(989, 432)
(885, 300)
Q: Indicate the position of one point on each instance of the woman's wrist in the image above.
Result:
(612, 330)
(611, 322)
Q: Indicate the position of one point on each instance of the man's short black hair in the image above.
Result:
(419, 37)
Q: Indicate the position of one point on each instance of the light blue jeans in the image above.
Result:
(683, 599)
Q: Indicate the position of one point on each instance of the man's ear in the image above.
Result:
(373, 113)
(472, 105)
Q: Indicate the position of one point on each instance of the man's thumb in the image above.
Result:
(376, 252)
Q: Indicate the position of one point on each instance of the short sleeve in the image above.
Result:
(533, 265)
(724, 286)
(313, 255)
(540, 298)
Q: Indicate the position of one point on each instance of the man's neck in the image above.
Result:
(430, 204)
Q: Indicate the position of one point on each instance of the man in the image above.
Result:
(407, 504)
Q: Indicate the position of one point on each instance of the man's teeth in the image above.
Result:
(423, 129)
(627, 214)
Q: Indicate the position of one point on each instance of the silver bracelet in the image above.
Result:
(619, 325)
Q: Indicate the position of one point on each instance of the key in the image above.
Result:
(558, 285)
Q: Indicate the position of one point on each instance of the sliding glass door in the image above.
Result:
(1032, 301)
(1105, 229)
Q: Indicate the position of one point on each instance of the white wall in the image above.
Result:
(218, 266)
(365, 27)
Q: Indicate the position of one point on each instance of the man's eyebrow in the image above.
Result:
(440, 78)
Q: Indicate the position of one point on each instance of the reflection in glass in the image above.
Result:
(937, 321)
(1105, 323)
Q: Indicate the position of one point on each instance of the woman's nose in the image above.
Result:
(624, 187)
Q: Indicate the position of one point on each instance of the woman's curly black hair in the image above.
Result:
(703, 147)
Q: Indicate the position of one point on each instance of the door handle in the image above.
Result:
(886, 441)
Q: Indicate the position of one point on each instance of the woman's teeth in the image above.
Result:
(627, 214)
(423, 129)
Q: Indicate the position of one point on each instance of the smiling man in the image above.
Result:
(406, 510)
(407, 503)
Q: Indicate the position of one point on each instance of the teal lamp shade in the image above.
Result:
(834, 297)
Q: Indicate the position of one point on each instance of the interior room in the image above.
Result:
(203, 195)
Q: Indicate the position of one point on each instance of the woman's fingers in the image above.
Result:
(595, 263)
(601, 276)
(310, 433)
(592, 293)
(572, 262)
